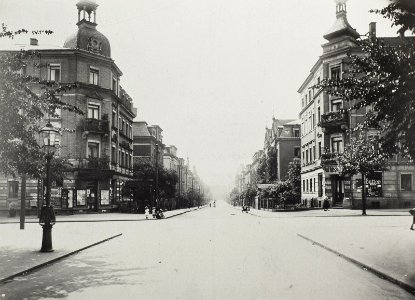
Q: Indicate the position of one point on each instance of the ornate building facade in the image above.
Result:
(324, 123)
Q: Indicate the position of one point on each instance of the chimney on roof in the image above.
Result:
(372, 31)
(34, 42)
(401, 33)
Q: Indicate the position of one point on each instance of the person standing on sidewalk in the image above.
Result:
(326, 204)
(147, 212)
(412, 212)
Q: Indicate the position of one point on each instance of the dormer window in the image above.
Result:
(93, 76)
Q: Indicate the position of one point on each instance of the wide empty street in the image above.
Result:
(212, 253)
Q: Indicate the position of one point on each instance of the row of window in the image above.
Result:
(124, 158)
(124, 125)
(313, 185)
(54, 74)
(309, 153)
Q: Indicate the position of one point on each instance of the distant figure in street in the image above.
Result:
(412, 212)
(326, 204)
(147, 212)
(210, 204)
(214, 203)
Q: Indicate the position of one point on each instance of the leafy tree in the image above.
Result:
(261, 172)
(249, 195)
(234, 196)
(143, 185)
(272, 165)
(381, 76)
(401, 13)
(24, 102)
(292, 195)
(362, 155)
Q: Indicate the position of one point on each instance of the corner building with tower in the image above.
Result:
(325, 120)
(99, 144)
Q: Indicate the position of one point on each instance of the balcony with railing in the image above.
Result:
(335, 120)
(96, 163)
(96, 126)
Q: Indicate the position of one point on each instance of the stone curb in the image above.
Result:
(104, 220)
(52, 261)
(410, 289)
(329, 216)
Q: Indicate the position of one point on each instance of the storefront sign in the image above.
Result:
(105, 197)
(55, 197)
(80, 197)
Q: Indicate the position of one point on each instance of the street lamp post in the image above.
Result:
(47, 215)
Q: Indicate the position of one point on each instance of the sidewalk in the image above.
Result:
(381, 240)
(329, 213)
(19, 249)
(94, 217)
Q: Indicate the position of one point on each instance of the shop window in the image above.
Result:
(54, 72)
(13, 187)
(406, 182)
(93, 76)
(373, 185)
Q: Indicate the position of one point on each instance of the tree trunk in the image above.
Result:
(363, 195)
(23, 202)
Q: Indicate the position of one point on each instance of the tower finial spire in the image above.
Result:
(341, 6)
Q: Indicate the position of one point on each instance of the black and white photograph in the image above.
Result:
(207, 149)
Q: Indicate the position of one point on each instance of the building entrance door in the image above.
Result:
(92, 196)
(337, 188)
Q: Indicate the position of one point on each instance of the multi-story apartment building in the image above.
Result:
(147, 143)
(286, 141)
(100, 146)
(170, 159)
(324, 123)
(283, 141)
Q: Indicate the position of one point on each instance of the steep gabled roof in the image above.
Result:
(140, 129)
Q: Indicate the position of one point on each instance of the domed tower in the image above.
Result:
(88, 37)
(341, 26)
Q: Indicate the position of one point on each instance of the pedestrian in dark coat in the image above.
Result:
(326, 204)
(412, 212)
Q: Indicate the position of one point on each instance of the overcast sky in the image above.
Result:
(211, 73)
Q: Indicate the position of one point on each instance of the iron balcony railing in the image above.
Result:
(95, 125)
(100, 163)
(334, 119)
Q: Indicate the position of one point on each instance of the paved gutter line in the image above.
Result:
(52, 261)
(410, 289)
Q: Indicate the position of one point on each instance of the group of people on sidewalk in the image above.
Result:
(156, 212)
